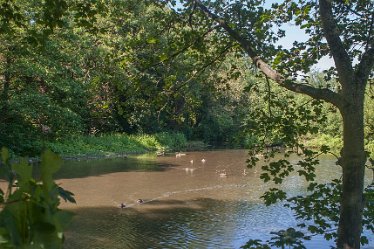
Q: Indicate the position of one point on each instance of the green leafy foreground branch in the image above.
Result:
(29, 213)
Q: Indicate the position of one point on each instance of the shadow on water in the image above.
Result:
(198, 223)
(186, 204)
(84, 168)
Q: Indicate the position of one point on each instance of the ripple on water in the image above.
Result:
(204, 211)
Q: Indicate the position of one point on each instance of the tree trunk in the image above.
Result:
(353, 164)
(5, 94)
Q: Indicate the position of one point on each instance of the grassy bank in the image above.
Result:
(118, 144)
(334, 143)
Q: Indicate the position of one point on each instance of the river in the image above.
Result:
(187, 203)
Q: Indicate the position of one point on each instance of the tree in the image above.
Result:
(341, 29)
(39, 82)
(157, 77)
(103, 66)
(153, 62)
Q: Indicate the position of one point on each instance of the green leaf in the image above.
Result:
(265, 177)
(23, 170)
(163, 57)
(152, 40)
(66, 195)
(364, 240)
(50, 164)
(325, 148)
(64, 218)
(3, 236)
(4, 155)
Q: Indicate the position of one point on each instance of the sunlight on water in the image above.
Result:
(214, 203)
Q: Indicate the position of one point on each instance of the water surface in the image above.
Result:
(186, 204)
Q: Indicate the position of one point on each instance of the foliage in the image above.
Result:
(118, 143)
(72, 69)
(121, 73)
(41, 95)
(369, 208)
(289, 237)
(335, 28)
(29, 215)
(255, 244)
(298, 128)
(323, 139)
(196, 145)
(322, 207)
(171, 141)
(369, 121)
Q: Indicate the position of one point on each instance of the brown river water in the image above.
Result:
(211, 204)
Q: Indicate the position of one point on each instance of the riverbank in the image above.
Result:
(334, 143)
(121, 145)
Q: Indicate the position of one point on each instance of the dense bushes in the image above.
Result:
(171, 141)
(118, 143)
(77, 83)
(74, 86)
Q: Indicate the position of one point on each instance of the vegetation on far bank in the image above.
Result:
(66, 89)
(117, 144)
(121, 144)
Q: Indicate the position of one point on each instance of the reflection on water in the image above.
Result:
(85, 168)
(199, 223)
(186, 204)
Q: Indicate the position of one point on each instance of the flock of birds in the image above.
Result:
(221, 173)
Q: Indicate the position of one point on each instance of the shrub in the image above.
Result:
(29, 214)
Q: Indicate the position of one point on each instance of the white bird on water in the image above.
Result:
(203, 160)
(191, 161)
(178, 154)
(190, 170)
(223, 173)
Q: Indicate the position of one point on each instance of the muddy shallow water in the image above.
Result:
(186, 204)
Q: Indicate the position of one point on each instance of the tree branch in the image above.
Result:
(370, 39)
(340, 55)
(365, 66)
(268, 95)
(204, 67)
(316, 93)
(182, 50)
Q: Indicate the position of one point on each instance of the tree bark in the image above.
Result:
(5, 93)
(353, 156)
(353, 164)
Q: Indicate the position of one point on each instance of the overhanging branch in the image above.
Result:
(365, 66)
(316, 93)
(331, 32)
(204, 67)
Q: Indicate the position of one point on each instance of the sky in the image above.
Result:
(293, 33)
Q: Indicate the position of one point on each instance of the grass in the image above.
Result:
(118, 144)
(334, 143)
(370, 148)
